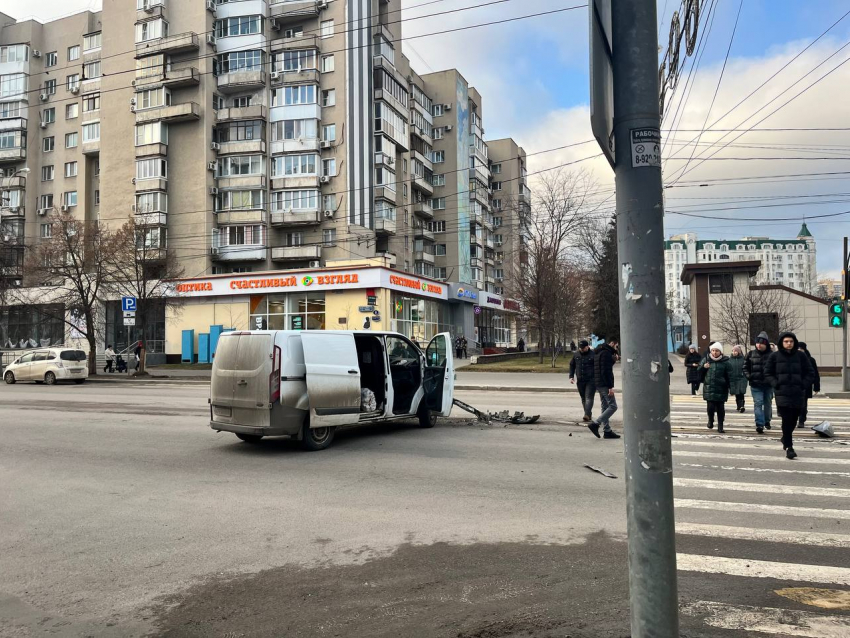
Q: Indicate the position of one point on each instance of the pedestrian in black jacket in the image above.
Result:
(760, 389)
(815, 385)
(581, 372)
(603, 373)
(790, 373)
(692, 374)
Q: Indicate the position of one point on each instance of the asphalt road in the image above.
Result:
(123, 514)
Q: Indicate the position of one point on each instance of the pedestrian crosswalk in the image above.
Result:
(766, 551)
(688, 413)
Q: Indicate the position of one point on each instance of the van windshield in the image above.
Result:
(72, 355)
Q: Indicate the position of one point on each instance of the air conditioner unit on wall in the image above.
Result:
(36, 53)
(215, 146)
(324, 179)
(213, 190)
(329, 214)
(42, 211)
(44, 97)
(325, 144)
(449, 128)
(275, 75)
(211, 39)
(64, 208)
(315, 264)
(447, 107)
(211, 6)
(74, 89)
(211, 166)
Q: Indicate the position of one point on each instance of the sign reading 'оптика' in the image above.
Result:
(314, 280)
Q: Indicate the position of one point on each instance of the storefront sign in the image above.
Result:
(366, 308)
(477, 310)
(355, 278)
(489, 300)
(512, 305)
(458, 292)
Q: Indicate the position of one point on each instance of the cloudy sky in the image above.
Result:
(532, 74)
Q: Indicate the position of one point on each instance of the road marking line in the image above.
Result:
(758, 457)
(772, 489)
(786, 510)
(770, 535)
(791, 572)
(821, 448)
(770, 620)
(766, 469)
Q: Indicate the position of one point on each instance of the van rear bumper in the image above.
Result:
(253, 430)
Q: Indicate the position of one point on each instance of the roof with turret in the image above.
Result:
(804, 231)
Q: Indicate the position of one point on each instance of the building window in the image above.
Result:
(241, 200)
(48, 116)
(49, 88)
(92, 41)
(496, 169)
(294, 239)
(295, 200)
(74, 53)
(294, 130)
(240, 131)
(329, 132)
(497, 204)
(71, 140)
(153, 202)
(438, 157)
(13, 84)
(239, 61)
(46, 231)
(70, 169)
(69, 198)
(720, 284)
(153, 98)
(497, 186)
(150, 66)
(72, 111)
(329, 202)
(48, 144)
(51, 59)
(156, 168)
(437, 226)
(329, 236)
(240, 25)
(329, 97)
(296, 60)
(438, 180)
(47, 173)
(293, 95)
(295, 165)
(97, 198)
(91, 132)
(438, 203)
(46, 201)
(329, 167)
(72, 81)
(437, 110)
(151, 30)
(91, 103)
(327, 63)
(241, 165)
(327, 28)
(153, 133)
(385, 177)
(91, 70)
(437, 132)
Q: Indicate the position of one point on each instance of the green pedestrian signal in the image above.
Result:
(836, 314)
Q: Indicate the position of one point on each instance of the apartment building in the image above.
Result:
(247, 137)
(787, 262)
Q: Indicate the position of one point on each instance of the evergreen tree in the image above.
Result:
(606, 307)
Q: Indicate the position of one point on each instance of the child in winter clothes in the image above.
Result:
(716, 378)
(738, 384)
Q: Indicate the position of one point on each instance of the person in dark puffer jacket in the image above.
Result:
(790, 373)
(738, 387)
(814, 386)
(582, 372)
(760, 389)
(692, 361)
(603, 373)
(716, 379)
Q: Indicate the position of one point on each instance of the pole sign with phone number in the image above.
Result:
(646, 147)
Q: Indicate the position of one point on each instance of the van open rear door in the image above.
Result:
(242, 380)
(439, 375)
(333, 378)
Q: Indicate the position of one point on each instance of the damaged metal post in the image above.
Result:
(640, 245)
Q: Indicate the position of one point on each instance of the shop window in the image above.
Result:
(294, 311)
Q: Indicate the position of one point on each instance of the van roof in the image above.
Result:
(339, 332)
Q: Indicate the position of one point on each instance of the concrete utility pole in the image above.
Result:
(845, 275)
(646, 391)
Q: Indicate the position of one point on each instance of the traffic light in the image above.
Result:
(836, 314)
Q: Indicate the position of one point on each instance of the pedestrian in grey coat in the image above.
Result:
(738, 382)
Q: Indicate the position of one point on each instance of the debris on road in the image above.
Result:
(599, 470)
(505, 416)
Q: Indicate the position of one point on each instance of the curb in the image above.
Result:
(152, 379)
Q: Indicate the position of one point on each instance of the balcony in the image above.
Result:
(296, 253)
(295, 181)
(382, 192)
(151, 184)
(385, 226)
(475, 262)
(151, 219)
(479, 154)
(13, 212)
(284, 11)
(390, 99)
(239, 252)
(480, 173)
(423, 185)
(419, 132)
(18, 181)
(149, 150)
(242, 216)
(240, 80)
(14, 124)
(174, 78)
(298, 42)
(295, 218)
(179, 43)
(422, 232)
(475, 240)
(304, 76)
(91, 147)
(253, 112)
(424, 256)
(185, 112)
(242, 147)
(398, 136)
(480, 194)
(423, 209)
(426, 161)
(13, 154)
(155, 9)
(295, 146)
(242, 182)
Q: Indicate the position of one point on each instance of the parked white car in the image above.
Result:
(49, 366)
(305, 384)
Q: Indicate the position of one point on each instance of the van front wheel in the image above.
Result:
(427, 419)
(314, 439)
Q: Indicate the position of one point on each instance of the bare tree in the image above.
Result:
(734, 312)
(72, 263)
(548, 230)
(141, 266)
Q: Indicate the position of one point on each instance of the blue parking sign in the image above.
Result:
(128, 304)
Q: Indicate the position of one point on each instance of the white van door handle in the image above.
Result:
(352, 372)
(242, 383)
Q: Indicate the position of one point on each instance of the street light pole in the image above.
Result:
(640, 253)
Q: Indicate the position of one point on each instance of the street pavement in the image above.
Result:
(125, 515)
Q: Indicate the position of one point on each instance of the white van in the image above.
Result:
(305, 384)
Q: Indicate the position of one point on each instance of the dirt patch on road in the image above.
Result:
(503, 590)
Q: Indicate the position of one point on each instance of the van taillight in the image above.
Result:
(274, 377)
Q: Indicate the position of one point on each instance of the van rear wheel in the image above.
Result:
(250, 438)
(314, 439)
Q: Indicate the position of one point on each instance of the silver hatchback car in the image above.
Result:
(49, 366)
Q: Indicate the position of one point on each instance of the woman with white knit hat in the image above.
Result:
(716, 378)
